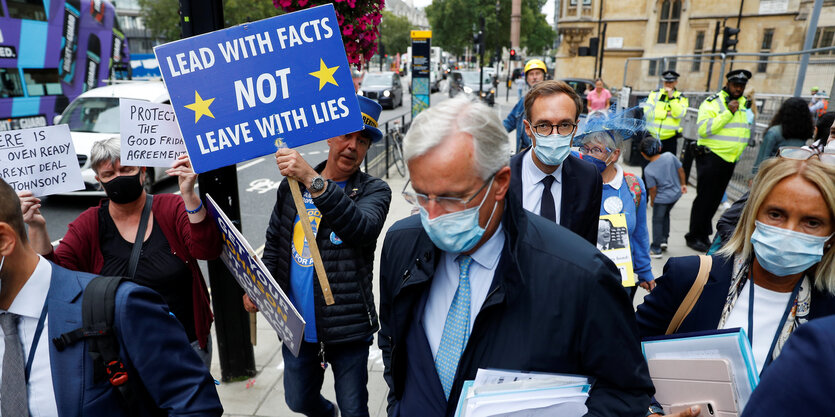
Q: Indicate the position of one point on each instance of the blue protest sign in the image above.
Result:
(255, 279)
(237, 90)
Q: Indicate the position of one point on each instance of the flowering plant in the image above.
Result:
(358, 20)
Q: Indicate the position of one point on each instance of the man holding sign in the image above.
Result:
(347, 209)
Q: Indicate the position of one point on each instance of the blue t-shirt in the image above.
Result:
(301, 269)
(663, 174)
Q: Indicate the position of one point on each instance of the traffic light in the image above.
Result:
(591, 50)
(513, 55)
(729, 39)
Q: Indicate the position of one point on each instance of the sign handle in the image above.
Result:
(311, 240)
(253, 329)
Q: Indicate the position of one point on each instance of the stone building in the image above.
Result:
(679, 28)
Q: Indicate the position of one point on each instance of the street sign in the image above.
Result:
(237, 90)
(421, 51)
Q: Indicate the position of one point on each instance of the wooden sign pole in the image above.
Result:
(311, 240)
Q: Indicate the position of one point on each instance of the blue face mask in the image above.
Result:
(552, 149)
(785, 252)
(599, 164)
(456, 232)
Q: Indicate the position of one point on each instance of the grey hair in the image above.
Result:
(461, 114)
(107, 150)
(609, 139)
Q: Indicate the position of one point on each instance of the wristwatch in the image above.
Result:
(318, 184)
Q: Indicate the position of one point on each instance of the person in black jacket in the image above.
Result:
(347, 210)
(574, 185)
(474, 281)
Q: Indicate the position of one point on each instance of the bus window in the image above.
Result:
(93, 114)
(10, 85)
(42, 82)
(27, 9)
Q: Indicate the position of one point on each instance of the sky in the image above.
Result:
(548, 9)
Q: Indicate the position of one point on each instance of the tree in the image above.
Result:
(162, 17)
(395, 33)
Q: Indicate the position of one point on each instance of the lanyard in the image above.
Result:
(789, 305)
(35, 340)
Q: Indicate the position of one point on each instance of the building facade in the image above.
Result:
(674, 33)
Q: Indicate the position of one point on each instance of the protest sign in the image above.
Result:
(41, 159)
(613, 241)
(256, 280)
(237, 91)
(149, 132)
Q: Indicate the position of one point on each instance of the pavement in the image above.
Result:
(263, 395)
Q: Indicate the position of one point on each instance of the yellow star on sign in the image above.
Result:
(200, 107)
(325, 74)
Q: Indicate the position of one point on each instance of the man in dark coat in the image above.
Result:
(474, 281)
(347, 209)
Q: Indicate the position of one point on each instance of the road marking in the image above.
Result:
(314, 153)
(249, 164)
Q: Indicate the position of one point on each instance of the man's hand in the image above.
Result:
(733, 106)
(648, 285)
(249, 305)
(31, 208)
(684, 189)
(291, 164)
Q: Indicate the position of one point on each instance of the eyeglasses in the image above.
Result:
(802, 154)
(448, 204)
(563, 128)
(595, 150)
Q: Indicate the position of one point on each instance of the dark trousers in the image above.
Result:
(714, 174)
(687, 155)
(303, 377)
(670, 145)
(660, 224)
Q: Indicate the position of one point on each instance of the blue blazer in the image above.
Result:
(582, 189)
(153, 345)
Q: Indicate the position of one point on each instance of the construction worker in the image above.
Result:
(535, 71)
(663, 112)
(818, 105)
(724, 131)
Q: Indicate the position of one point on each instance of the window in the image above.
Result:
(668, 21)
(824, 38)
(671, 64)
(698, 50)
(26, 9)
(10, 85)
(42, 82)
(652, 67)
(574, 3)
(768, 36)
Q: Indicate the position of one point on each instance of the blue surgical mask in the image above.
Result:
(456, 232)
(599, 164)
(552, 149)
(785, 252)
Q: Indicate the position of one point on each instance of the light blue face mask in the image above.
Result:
(552, 149)
(785, 252)
(456, 232)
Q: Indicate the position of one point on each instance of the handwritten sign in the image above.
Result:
(613, 241)
(236, 91)
(42, 160)
(149, 133)
(256, 280)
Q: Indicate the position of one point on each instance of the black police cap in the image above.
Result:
(669, 75)
(739, 76)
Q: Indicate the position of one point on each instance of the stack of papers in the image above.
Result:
(518, 394)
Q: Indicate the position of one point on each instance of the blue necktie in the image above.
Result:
(456, 328)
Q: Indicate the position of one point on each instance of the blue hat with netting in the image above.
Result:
(621, 126)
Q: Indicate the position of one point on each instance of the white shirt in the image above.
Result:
(445, 284)
(769, 307)
(28, 305)
(532, 186)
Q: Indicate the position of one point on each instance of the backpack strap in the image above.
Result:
(140, 237)
(634, 188)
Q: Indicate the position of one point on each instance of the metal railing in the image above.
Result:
(379, 157)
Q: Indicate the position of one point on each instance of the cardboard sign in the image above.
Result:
(150, 135)
(236, 91)
(41, 159)
(613, 241)
(256, 280)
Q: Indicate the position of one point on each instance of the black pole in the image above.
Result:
(599, 21)
(713, 51)
(237, 359)
(602, 50)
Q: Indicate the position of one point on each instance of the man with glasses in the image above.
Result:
(474, 281)
(547, 179)
(347, 209)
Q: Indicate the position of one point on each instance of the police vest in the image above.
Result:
(658, 123)
(724, 133)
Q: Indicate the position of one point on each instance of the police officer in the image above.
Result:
(535, 71)
(663, 112)
(723, 135)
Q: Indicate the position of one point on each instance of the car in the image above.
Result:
(385, 87)
(94, 116)
(467, 82)
(580, 85)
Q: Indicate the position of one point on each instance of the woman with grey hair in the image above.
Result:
(179, 231)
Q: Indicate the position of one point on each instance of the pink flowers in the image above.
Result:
(358, 20)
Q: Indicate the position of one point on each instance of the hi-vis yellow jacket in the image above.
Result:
(663, 114)
(723, 132)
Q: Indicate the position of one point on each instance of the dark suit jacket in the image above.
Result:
(555, 305)
(659, 307)
(153, 346)
(582, 189)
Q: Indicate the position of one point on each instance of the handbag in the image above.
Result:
(705, 263)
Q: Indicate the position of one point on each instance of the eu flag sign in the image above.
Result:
(237, 91)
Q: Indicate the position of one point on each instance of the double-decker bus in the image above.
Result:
(50, 52)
